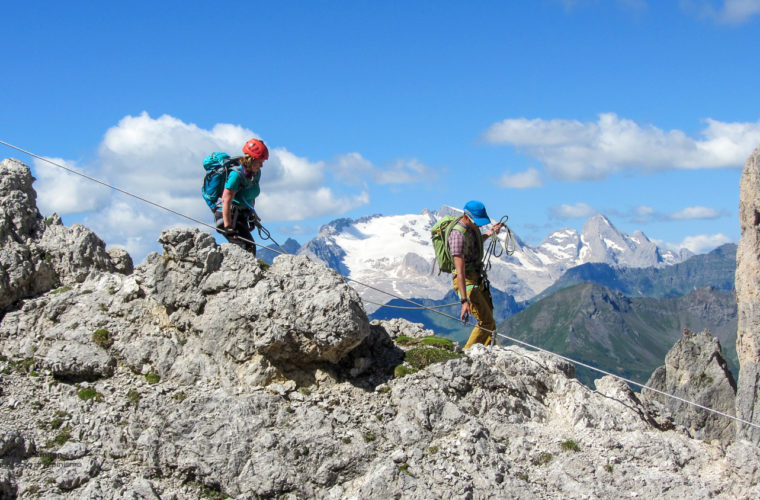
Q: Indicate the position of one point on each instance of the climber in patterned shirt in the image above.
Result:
(467, 253)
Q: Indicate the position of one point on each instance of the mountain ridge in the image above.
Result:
(394, 253)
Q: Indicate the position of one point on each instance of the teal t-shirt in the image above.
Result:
(245, 190)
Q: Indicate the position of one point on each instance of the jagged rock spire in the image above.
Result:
(747, 290)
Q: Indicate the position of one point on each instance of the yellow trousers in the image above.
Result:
(480, 306)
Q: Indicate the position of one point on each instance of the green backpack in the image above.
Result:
(440, 236)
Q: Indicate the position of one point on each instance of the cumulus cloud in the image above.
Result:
(576, 211)
(574, 150)
(729, 12)
(703, 243)
(64, 192)
(530, 178)
(354, 169)
(160, 159)
(299, 205)
(689, 213)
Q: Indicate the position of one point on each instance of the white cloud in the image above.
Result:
(160, 160)
(299, 205)
(64, 192)
(354, 169)
(574, 150)
(690, 213)
(530, 178)
(404, 172)
(576, 211)
(730, 12)
(703, 243)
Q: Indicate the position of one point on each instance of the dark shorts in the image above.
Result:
(240, 223)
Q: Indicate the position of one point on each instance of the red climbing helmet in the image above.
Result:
(256, 149)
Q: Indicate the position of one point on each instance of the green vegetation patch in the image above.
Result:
(133, 396)
(61, 290)
(152, 378)
(103, 338)
(23, 366)
(420, 357)
(543, 459)
(62, 437)
(369, 437)
(570, 445)
(88, 393)
(402, 371)
(430, 340)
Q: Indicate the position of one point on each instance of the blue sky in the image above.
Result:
(548, 111)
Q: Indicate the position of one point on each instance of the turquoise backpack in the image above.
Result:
(217, 166)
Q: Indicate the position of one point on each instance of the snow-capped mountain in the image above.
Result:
(395, 254)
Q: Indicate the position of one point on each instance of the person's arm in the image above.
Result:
(227, 196)
(462, 285)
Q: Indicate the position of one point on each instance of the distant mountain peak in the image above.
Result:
(395, 253)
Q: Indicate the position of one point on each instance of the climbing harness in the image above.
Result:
(494, 334)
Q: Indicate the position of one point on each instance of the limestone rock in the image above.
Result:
(695, 370)
(39, 254)
(747, 290)
(215, 378)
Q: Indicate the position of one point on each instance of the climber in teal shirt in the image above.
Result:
(239, 196)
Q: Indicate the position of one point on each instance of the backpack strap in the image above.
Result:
(478, 261)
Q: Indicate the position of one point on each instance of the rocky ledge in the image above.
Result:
(200, 374)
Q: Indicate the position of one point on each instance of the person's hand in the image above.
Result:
(464, 314)
(230, 231)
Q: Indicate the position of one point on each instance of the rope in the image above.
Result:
(493, 245)
(93, 179)
(418, 305)
(565, 358)
(408, 307)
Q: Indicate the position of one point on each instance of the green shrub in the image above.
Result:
(543, 459)
(402, 371)
(608, 468)
(102, 337)
(179, 396)
(433, 450)
(88, 393)
(439, 342)
(369, 437)
(62, 437)
(61, 290)
(133, 396)
(570, 445)
(405, 340)
(346, 440)
(420, 357)
(23, 366)
(152, 378)
(46, 459)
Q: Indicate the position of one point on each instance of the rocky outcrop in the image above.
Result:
(748, 300)
(696, 371)
(36, 254)
(202, 375)
(197, 313)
